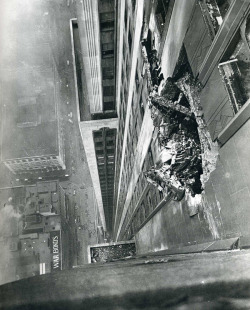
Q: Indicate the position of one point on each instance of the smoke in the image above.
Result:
(8, 214)
(9, 219)
(193, 203)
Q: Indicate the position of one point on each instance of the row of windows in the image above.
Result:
(26, 166)
(149, 200)
(107, 26)
(135, 122)
(32, 159)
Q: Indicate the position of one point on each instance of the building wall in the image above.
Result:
(131, 111)
(223, 212)
(136, 151)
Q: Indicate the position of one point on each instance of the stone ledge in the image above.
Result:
(234, 125)
(218, 245)
(244, 242)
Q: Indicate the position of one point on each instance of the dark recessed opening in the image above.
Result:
(109, 106)
(79, 67)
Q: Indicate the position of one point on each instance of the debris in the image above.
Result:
(156, 261)
(113, 252)
(188, 154)
(193, 203)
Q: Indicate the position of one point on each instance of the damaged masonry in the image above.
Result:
(187, 154)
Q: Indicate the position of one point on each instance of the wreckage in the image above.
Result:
(187, 154)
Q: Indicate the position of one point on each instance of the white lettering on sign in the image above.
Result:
(55, 245)
(55, 250)
(56, 260)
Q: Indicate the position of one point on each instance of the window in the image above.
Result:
(108, 73)
(108, 90)
(137, 82)
(107, 25)
(231, 75)
(126, 15)
(141, 106)
(107, 50)
(160, 14)
(133, 4)
(122, 73)
(127, 69)
(107, 16)
(107, 21)
(109, 106)
(129, 40)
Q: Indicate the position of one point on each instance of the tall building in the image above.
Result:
(153, 96)
(209, 68)
(153, 72)
(142, 76)
(93, 45)
(31, 127)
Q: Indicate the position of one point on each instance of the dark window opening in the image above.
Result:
(109, 106)
(97, 134)
(108, 16)
(108, 91)
(79, 68)
(126, 16)
(124, 50)
(98, 144)
(107, 25)
(161, 10)
(133, 4)
(129, 40)
(107, 53)
(141, 107)
(108, 73)
(137, 82)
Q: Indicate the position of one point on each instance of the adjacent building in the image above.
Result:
(31, 124)
(94, 58)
